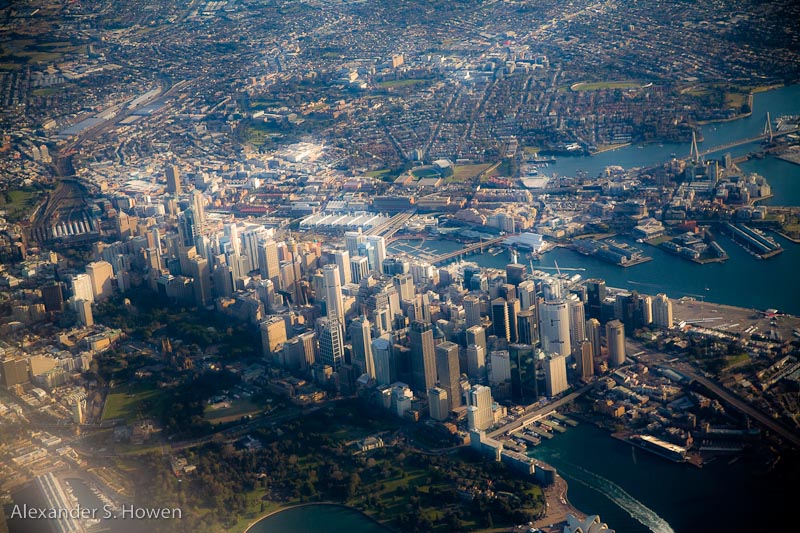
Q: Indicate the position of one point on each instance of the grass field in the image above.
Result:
(533, 150)
(18, 203)
(128, 402)
(467, 172)
(599, 85)
(379, 174)
(425, 173)
(237, 409)
(400, 83)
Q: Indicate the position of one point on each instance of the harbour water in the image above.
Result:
(318, 517)
(637, 492)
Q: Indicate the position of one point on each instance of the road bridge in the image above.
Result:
(478, 246)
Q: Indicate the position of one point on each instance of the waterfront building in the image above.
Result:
(479, 411)
(515, 274)
(448, 371)
(555, 375)
(662, 311)
(595, 294)
(615, 339)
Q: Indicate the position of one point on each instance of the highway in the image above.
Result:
(723, 394)
(467, 249)
(569, 398)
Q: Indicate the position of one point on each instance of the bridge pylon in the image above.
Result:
(694, 153)
(768, 129)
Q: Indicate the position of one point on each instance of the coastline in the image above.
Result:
(295, 506)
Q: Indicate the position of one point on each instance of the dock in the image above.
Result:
(563, 419)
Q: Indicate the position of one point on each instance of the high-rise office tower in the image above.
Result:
(577, 321)
(595, 294)
(342, 259)
(382, 356)
(173, 180)
(593, 335)
(554, 327)
(555, 375)
(515, 274)
(82, 287)
(662, 311)
(351, 241)
(479, 412)
(331, 341)
(615, 339)
(273, 335)
(404, 284)
(359, 268)
(448, 371)
(199, 209)
(552, 290)
(472, 310)
(100, 272)
(500, 367)
(585, 360)
(513, 313)
(476, 335)
(500, 321)
(361, 340)
(268, 263)
(84, 310)
(53, 297)
(646, 309)
(423, 363)
(333, 293)
(438, 404)
(476, 362)
(527, 327)
(526, 292)
(378, 244)
(201, 276)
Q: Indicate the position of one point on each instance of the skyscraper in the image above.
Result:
(554, 327)
(615, 338)
(448, 371)
(500, 321)
(585, 360)
(479, 412)
(515, 273)
(100, 272)
(404, 284)
(472, 310)
(500, 370)
(378, 245)
(273, 335)
(333, 293)
(53, 297)
(361, 340)
(351, 241)
(555, 375)
(476, 335)
(359, 268)
(342, 259)
(476, 362)
(593, 335)
(595, 294)
(526, 292)
(438, 403)
(268, 262)
(423, 364)
(173, 180)
(577, 322)
(662, 311)
(331, 341)
(527, 327)
(382, 356)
